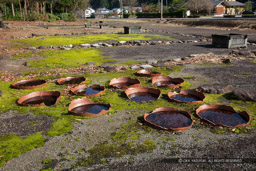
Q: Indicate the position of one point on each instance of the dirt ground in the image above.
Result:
(199, 143)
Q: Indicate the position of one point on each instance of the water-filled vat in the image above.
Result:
(71, 80)
(93, 90)
(186, 96)
(169, 119)
(29, 84)
(124, 83)
(146, 73)
(86, 107)
(222, 115)
(142, 94)
(161, 81)
(40, 98)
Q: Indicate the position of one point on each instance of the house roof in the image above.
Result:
(216, 2)
(233, 3)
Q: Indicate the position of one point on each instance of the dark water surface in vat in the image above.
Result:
(185, 98)
(30, 83)
(93, 109)
(74, 81)
(142, 97)
(169, 119)
(223, 117)
(89, 91)
(47, 100)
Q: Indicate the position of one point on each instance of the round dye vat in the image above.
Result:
(86, 107)
(169, 119)
(44, 98)
(91, 108)
(142, 97)
(71, 80)
(161, 81)
(29, 84)
(185, 98)
(146, 73)
(124, 83)
(93, 90)
(221, 115)
(142, 94)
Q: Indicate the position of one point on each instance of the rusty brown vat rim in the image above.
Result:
(169, 109)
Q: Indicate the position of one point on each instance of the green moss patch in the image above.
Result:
(59, 127)
(75, 40)
(63, 58)
(12, 146)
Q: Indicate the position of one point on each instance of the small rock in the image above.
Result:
(246, 93)
(85, 45)
(153, 43)
(135, 67)
(146, 66)
(151, 61)
(110, 68)
(136, 41)
(95, 45)
(31, 48)
(193, 55)
(226, 61)
(1, 93)
(69, 46)
(42, 47)
(64, 48)
(122, 42)
(107, 45)
(216, 89)
(26, 63)
(177, 59)
(90, 63)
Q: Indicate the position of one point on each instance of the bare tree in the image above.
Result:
(199, 5)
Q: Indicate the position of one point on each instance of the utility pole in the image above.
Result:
(121, 8)
(161, 9)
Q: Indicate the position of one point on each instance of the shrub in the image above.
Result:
(52, 17)
(67, 17)
(249, 15)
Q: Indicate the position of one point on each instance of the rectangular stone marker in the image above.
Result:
(132, 30)
(87, 25)
(229, 40)
(104, 26)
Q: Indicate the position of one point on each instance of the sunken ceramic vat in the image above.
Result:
(168, 82)
(142, 94)
(186, 96)
(124, 83)
(71, 80)
(169, 119)
(40, 98)
(29, 84)
(146, 73)
(86, 107)
(93, 90)
(222, 115)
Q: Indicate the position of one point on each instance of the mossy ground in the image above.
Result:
(63, 59)
(75, 40)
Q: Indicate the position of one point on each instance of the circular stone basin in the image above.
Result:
(40, 98)
(169, 119)
(86, 107)
(142, 94)
(83, 90)
(186, 96)
(71, 80)
(29, 84)
(146, 73)
(222, 115)
(168, 82)
(124, 83)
